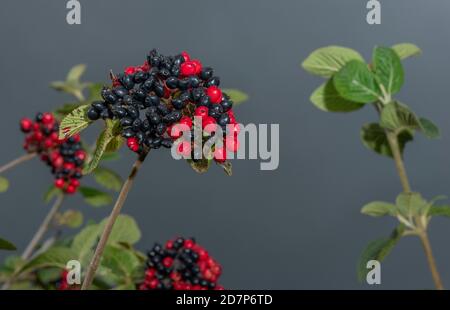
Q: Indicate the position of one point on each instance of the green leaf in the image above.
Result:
(405, 50)
(356, 83)
(378, 250)
(125, 230)
(200, 166)
(429, 129)
(6, 245)
(111, 130)
(94, 92)
(329, 60)
(115, 144)
(51, 193)
(110, 156)
(84, 243)
(388, 69)
(94, 197)
(53, 257)
(4, 184)
(374, 138)
(236, 96)
(74, 122)
(411, 204)
(120, 261)
(328, 99)
(379, 208)
(108, 178)
(65, 109)
(439, 211)
(70, 218)
(75, 73)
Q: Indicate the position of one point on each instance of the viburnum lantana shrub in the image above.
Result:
(350, 85)
(66, 158)
(153, 105)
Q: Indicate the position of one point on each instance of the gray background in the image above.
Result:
(298, 227)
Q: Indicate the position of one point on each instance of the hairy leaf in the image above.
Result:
(388, 69)
(328, 99)
(74, 122)
(405, 50)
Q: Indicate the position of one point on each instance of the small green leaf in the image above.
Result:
(411, 204)
(378, 250)
(356, 83)
(388, 69)
(75, 73)
(439, 211)
(379, 208)
(120, 261)
(374, 138)
(4, 184)
(109, 156)
(111, 130)
(405, 50)
(70, 218)
(396, 116)
(94, 197)
(6, 245)
(74, 122)
(199, 166)
(329, 60)
(65, 109)
(53, 257)
(115, 144)
(125, 230)
(108, 178)
(429, 129)
(236, 96)
(328, 99)
(51, 193)
(84, 243)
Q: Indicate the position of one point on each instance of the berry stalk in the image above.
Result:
(17, 161)
(111, 220)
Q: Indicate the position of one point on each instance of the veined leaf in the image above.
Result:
(125, 230)
(439, 211)
(95, 197)
(379, 208)
(108, 178)
(74, 122)
(53, 257)
(199, 166)
(329, 60)
(374, 137)
(388, 69)
(405, 50)
(328, 99)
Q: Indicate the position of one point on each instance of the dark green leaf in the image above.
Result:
(53, 257)
(405, 50)
(120, 261)
(388, 69)
(374, 138)
(396, 116)
(4, 184)
(439, 211)
(110, 156)
(428, 128)
(125, 230)
(328, 99)
(329, 60)
(74, 122)
(6, 245)
(108, 178)
(112, 129)
(379, 208)
(378, 250)
(115, 144)
(94, 197)
(356, 83)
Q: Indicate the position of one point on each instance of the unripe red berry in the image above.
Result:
(186, 120)
(189, 244)
(133, 144)
(69, 166)
(47, 118)
(198, 66)
(71, 189)
(187, 68)
(48, 143)
(201, 111)
(81, 155)
(75, 182)
(185, 56)
(26, 124)
(184, 148)
(167, 262)
(214, 93)
(59, 183)
(145, 66)
(220, 155)
(130, 70)
(209, 124)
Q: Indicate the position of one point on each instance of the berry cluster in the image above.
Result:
(65, 157)
(153, 99)
(181, 265)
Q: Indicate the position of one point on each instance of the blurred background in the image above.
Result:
(298, 227)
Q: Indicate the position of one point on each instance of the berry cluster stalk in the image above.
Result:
(43, 228)
(422, 232)
(17, 161)
(110, 223)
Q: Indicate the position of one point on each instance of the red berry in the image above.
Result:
(185, 56)
(38, 136)
(187, 68)
(174, 131)
(169, 244)
(54, 136)
(209, 124)
(133, 144)
(186, 120)
(69, 166)
(47, 118)
(75, 182)
(214, 93)
(198, 66)
(167, 261)
(201, 111)
(220, 155)
(81, 155)
(184, 148)
(71, 189)
(189, 244)
(232, 143)
(145, 66)
(48, 143)
(130, 70)
(58, 162)
(59, 183)
(26, 124)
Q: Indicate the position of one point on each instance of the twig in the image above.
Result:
(16, 162)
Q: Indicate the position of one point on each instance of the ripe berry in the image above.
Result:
(59, 183)
(185, 56)
(133, 144)
(214, 93)
(47, 118)
(70, 189)
(186, 120)
(201, 111)
(26, 125)
(188, 68)
(209, 124)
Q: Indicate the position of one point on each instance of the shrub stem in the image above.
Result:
(16, 162)
(110, 223)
